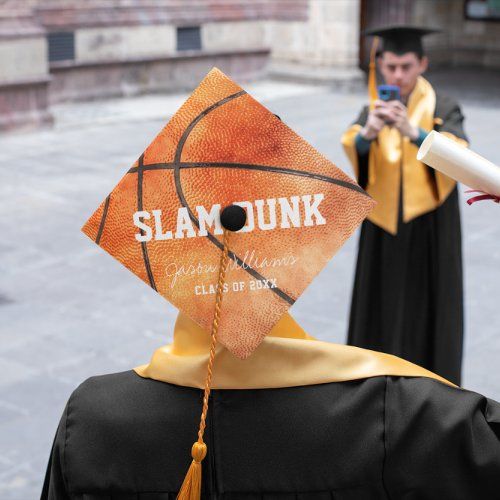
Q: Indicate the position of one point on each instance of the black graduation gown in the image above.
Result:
(124, 437)
(407, 298)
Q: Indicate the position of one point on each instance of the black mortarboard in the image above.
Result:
(401, 39)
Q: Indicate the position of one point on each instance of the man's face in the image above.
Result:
(402, 70)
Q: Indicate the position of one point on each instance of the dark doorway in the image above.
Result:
(380, 13)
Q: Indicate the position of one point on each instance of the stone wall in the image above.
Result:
(126, 47)
(465, 42)
(307, 38)
(129, 47)
(24, 72)
(91, 13)
(108, 78)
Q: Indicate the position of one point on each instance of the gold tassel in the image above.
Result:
(372, 74)
(191, 486)
(373, 96)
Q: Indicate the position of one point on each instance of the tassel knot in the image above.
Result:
(191, 487)
(198, 451)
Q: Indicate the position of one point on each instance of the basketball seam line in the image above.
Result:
(177, 170)
(190, 127)
(250, 166)
(103, 219)
(144, 247)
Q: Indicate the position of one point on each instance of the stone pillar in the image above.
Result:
(24, 73)
(323, 48)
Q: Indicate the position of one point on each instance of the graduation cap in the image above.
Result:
(401, 39)
(229, 215)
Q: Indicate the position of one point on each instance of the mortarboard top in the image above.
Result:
(401, 39)
(162, 220)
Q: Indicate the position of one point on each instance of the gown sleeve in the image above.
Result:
(449, 119)
(55, 484)
(440, 441)
(359, 162)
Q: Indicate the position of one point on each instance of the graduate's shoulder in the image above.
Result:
(434, 430)
(411, 386)
(113, 393)
(445, 104)
(118, 427)
(438, 402)
(99, 386)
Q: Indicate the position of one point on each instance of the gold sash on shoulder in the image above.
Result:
(287, 357)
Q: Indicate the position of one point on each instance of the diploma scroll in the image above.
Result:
(460, 163)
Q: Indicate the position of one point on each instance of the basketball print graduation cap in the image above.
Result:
(221, 148)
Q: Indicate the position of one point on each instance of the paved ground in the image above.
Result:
(69, 311)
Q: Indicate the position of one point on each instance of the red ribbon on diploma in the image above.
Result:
(481, 197)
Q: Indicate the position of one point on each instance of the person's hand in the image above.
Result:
(376, 121)
(399, 117)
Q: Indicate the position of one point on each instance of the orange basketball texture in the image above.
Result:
(223, 147)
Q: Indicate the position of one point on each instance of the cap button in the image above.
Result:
(233, 217)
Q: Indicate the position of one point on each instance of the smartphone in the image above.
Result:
(389, 93)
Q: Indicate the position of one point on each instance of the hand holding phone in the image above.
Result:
(382, 114)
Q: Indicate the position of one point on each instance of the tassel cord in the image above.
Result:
(215, 327)
(191, 486)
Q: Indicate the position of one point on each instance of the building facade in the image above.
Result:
(60, 50)
(64, 50)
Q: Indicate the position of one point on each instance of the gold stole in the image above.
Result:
(287, 357)
(391, 155)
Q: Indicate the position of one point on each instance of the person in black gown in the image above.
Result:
(407, 295)
(297, 418)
